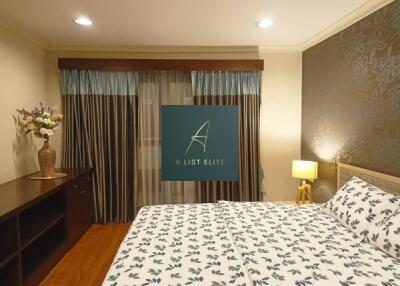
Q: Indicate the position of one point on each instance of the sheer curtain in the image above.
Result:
(158, 88)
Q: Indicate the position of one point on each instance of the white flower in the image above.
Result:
(43, 121)
(43, 131)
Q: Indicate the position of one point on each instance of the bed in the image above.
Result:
(250, 243)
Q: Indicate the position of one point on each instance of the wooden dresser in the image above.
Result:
(39, 222)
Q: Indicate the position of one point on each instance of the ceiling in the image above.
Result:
(175, 22)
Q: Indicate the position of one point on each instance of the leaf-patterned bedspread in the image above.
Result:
(230, 243)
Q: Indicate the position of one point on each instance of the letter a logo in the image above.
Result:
(199, 138)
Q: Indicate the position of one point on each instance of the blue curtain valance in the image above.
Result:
(127, 83)
(99, 82)
(206, 83)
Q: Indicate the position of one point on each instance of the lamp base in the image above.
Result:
(304, 194)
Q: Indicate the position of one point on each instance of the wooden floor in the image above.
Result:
(87, 263)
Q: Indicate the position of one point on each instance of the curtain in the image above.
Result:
(156, 89)
(100, 131)
(112, 124)
(241, 89)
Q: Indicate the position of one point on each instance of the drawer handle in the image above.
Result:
(82, 192)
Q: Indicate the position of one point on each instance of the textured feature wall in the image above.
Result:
(351, 99)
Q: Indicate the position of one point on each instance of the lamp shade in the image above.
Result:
(305, 169)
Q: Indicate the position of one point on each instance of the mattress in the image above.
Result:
(247, 243)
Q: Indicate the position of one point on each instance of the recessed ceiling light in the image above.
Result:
(265, 23)
(84, 21)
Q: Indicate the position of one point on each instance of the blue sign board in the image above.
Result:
(199, 142)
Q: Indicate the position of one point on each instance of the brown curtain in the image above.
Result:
(248, 187)
(100, 131)
(241, 89)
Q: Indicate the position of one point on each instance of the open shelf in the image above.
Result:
(46, 228)
(43, 247)
(39, 222)
(8, 239)
(35, 220)
(9, 274)
(8, 258)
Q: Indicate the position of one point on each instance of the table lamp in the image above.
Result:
(304, 170)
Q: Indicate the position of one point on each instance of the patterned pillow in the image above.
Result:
(360, 206)
(387, 236)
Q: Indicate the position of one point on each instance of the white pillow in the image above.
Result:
(360, 206)
(387, 236)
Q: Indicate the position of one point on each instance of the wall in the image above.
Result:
(24, 82)
(351, 99)
(280, 109)
(34, 78)
(29, 75)
(280, 123)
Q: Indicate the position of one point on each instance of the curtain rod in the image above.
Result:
(159, 64)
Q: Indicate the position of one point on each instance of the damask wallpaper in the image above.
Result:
(351, 99)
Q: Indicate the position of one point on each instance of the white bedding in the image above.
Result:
(232, 243)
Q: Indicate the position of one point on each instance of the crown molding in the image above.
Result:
(13, 29)
(279, 49)
(155, 49)
(348, 20)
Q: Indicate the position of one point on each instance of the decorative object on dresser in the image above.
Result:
(41, 122)
(39, 222)
(304, 170)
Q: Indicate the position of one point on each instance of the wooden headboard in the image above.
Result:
(385, 182)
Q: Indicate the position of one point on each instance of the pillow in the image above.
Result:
(387, 236)
(360, 206)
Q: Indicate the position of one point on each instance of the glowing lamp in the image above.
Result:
(304, 170)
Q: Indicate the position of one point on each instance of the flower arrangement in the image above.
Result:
(41, 121)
